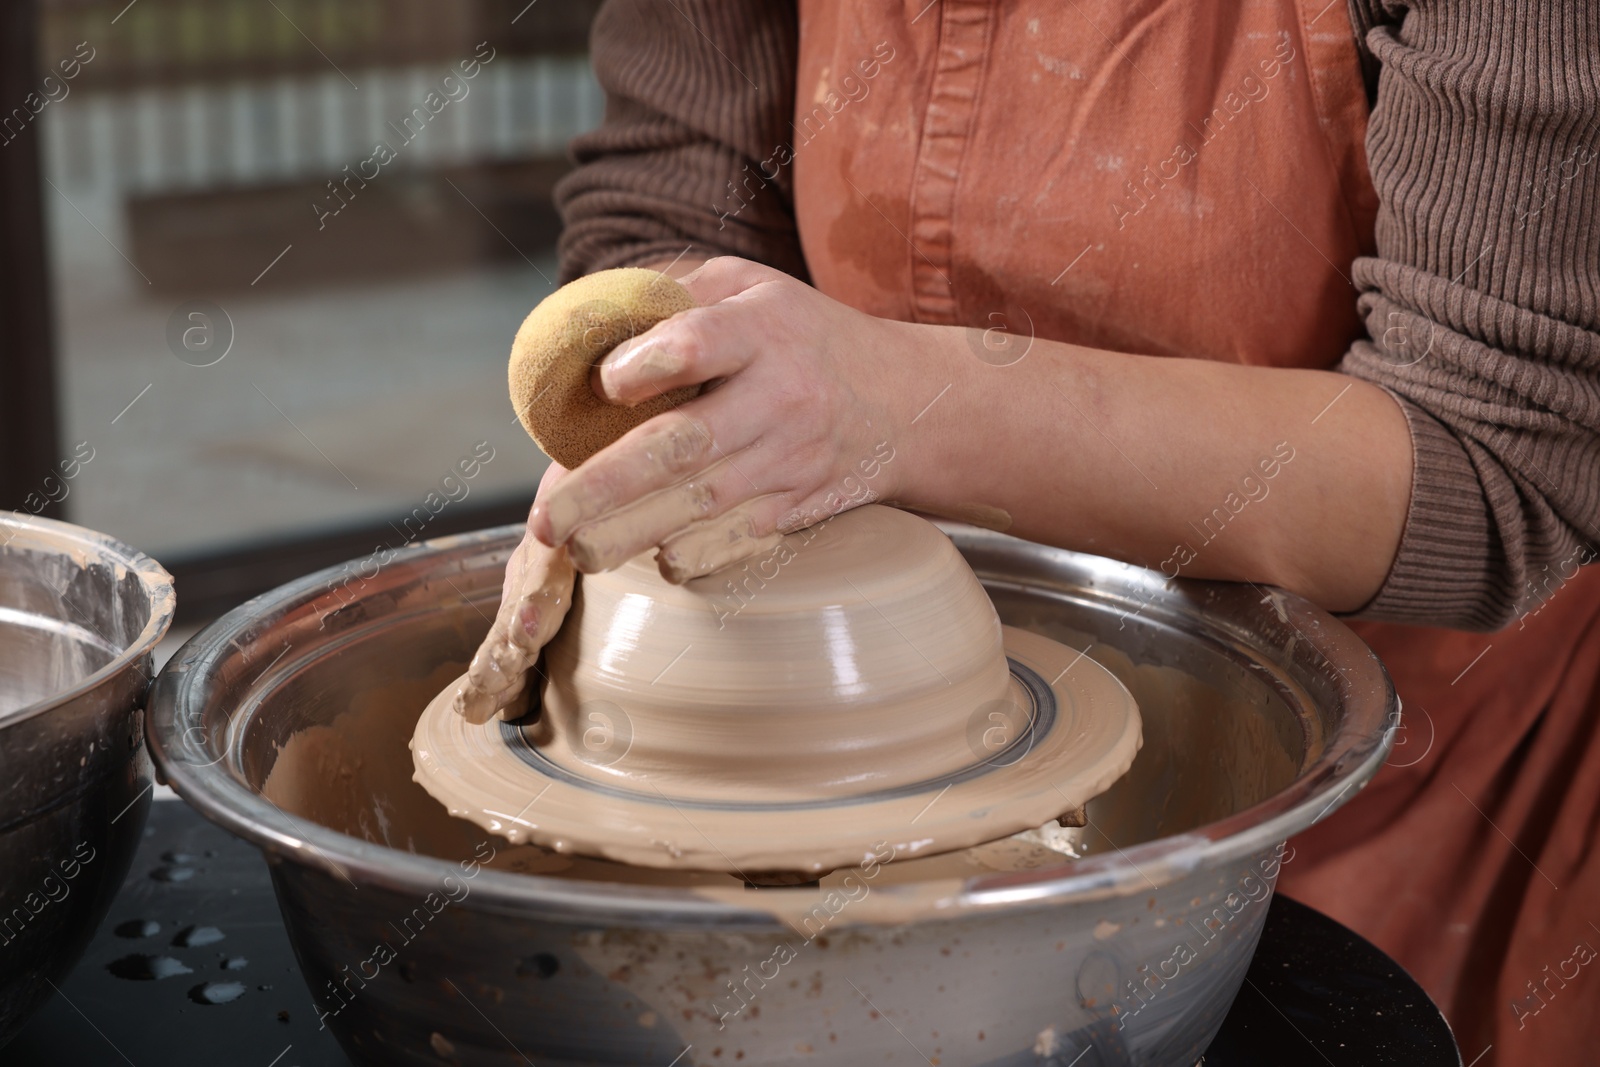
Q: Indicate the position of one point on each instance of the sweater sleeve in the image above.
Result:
(698, 95)
(1483, 300)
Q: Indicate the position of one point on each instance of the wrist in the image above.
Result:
(931, 429)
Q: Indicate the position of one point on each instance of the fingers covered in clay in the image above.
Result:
(614, 538)
(658, 454)
(708, 547)
(669, 451)
(541, 594)
(534, 599)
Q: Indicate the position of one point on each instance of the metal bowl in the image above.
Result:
(1261, 715)
(79, 616)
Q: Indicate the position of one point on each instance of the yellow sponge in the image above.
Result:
(565, 336)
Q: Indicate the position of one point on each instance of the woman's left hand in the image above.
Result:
(799, 423)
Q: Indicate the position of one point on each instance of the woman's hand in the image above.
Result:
(795, 428)
(798, 424)
(814, 407)
(533, 601)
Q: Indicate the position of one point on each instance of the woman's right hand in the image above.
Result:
(533, 602)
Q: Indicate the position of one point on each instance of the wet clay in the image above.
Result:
(858, 666)
(354, 775)
(539, 583)
(699, 545)
(714, 545)
(866, 693)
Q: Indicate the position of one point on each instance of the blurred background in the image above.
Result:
(236, 332)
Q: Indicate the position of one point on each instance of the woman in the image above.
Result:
(1373, 232)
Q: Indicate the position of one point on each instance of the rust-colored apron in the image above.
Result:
(1190, 180)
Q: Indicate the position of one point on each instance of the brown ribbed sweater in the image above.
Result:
(1483, 297)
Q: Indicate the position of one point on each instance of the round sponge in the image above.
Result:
(565, 336)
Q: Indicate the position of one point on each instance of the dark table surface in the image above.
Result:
(193, 967)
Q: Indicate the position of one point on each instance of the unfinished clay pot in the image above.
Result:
(852, 688)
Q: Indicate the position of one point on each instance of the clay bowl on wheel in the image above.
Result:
(79, 616)
(852, 700)
(288, 722)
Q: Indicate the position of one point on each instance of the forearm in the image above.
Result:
(697, 93)
(1293, 478)
(1480, 301)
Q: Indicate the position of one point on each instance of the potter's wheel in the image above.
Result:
(287, 722)
(855, 696)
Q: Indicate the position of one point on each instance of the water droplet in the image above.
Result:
(136, 928)
(172, 874)
(182, 859)
(542, 964)
(142, 968)
(198, 936)
(216, 992)
(235, 963)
